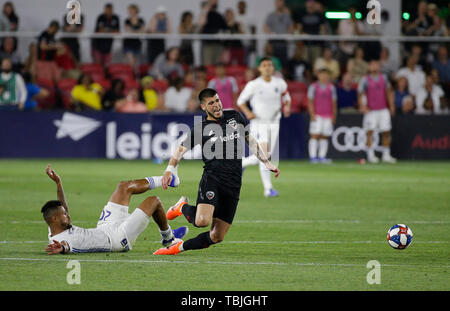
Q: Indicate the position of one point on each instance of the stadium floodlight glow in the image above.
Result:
(338, 15)
(358, 15)
(406, 16)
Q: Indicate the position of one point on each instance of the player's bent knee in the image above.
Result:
(202, 221)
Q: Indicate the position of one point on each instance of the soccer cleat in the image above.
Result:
(175, 181)
(314, 160)
(373, 159)
(325, 160)
(178, 233)
(171, 250)
(389, 159)
(271, 193)
(175, 211)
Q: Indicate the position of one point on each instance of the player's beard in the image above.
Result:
(212, 115)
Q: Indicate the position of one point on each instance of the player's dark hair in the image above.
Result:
(263, 59)
(208, 92)
(49, 207)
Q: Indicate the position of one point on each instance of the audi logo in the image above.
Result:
(353, 139)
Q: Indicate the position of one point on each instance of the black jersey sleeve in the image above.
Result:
(194, 137)
(242, 120)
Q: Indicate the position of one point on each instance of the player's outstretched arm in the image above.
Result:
(59, 187)
(257, 150)
(172, 168)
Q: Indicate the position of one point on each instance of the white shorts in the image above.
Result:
(322, 126)
(265, 132)
(121, 227)
(377, 120)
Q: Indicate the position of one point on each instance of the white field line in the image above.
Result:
(263, 242)
(142, 261)
(275, 221)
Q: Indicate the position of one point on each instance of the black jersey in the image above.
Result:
(223, 148)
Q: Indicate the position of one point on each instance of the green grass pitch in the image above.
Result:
(328, 222)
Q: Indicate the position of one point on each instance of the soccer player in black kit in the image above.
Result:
(221, 137)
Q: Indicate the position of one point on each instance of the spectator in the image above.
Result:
(388, 66)
(430, 99)
(113, 95)
(415, 75)
(73, 29)
(193, 103)
(87, 94)
(167, 65)
(30, 64)
(226, 87)
(437, 29)
(421, 22)
(279, 22)
(357, 66)
(67, 62)
(442, 64)
(311, 22)
(211, 22)
(148, 95)
(131, 103)
(234, 52)
(327, 61)
(133, 24)
(200, 72)
(34, 92)
(107, 23)
(46, 67)
(297, 68)
(404, 102)
(268, 52)
(418, 51)
(8, 50)
(177, 96)
(10, 14)
(13, 92)
(248, 26)
(349, 27)
(347, 97)
(186, 27)
(159, 23)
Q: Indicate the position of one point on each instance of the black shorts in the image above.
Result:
(225, 199)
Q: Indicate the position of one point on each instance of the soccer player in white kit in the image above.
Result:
(266, 95)
(116, 230)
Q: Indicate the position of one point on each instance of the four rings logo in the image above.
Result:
(353, 139)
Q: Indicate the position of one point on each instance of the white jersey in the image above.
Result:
(265, 97)
(82, 240)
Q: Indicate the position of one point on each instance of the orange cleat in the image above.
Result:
(175, 211)
(171, 250)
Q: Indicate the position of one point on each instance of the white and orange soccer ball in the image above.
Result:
(399, 236)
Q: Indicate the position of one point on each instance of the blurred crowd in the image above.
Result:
(52, 75)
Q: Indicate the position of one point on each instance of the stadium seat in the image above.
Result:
(123, 75)
(50, 101)
(131, 84)
(119, 68)
(92, 68)
(143, 69)
(210, 70)
(105, 83)
(65, 87)
(235, 70)
(298, 92)
(160, 86)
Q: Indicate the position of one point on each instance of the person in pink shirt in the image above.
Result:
(376, 102)
(131, 103)
(225, 86)
(322, 107)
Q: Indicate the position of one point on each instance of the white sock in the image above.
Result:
(250, 160)
(312, 148)
(265, 177)
(154, 181)
(166, 234)
(386, 152)
(370, 153)
(323, 148)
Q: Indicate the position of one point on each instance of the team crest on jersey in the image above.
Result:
(232, 123)
(210, 195)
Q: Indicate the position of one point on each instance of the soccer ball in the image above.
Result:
(399, 236)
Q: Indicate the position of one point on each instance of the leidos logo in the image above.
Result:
(75, 126)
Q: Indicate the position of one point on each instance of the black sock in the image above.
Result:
(189, 211)
(203, 240)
